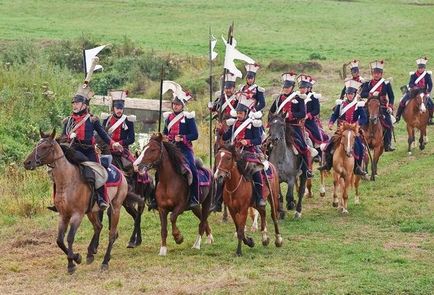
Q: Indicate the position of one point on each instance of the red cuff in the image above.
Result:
(249, 142)
(184, 139)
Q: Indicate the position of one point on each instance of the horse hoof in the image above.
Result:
(290, 206)
(89, 259)
(249, 242)
(372, 177)
(77, 258)
(210, 239)
(279, 241)
(357, 202)
(344, 211)
(163, 251)
(266, 242)
(253, 229)
(409, 153)
(421, 147)
(297, 215)
(335, 204)
(322, 195)
(239, 254)
(104, 267)
(282, 215)
(71, 269)
(131, 245)
(179, 240)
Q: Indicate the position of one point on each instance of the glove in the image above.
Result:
(376, 93)
(118, 147)
(210, 105)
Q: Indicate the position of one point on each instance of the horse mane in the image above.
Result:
(174, 154)
(336, 138)
(240, 159)
(289, 131)
(414, 92)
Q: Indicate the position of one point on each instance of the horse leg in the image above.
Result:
(335, 188)
(322, 186)
(74, 224)
(197, 211)
(163, 220)
(254, 214)
(297, 214)
(345, 187)
(62, 226)
(237, 226)
(177, 236)
(265, 238)
(290, 203)
(134, 214)
(278, 242)
(241, 220)
(113, 234)
(137, 223)
(422, 139)
(97, 226)
(308, 190)
(206, 205)
(356, 186)
(281, 210)
(225, 213)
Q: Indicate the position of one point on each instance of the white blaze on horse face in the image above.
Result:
(140, 158)
(218, 165)
(422, 108)
(349, 142)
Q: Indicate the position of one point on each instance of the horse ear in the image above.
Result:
(53, 134)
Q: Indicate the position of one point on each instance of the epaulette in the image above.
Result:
(339, 101)
(104, 115)
(190, 115)
(429, 72)
(307, 99)
(255, 115)
(132, 118)
(65, 120)
(302, 96)
(317, 95)
(257, 123)
(362, 80)
(360, 104)
(410, 73)
(386, 82)
(261, 89)
(230, 121)
(233, 113)
(94, 118)
(166, 115)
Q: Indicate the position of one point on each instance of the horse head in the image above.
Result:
(152, 153)
(276, 124)
(348, 134)
(373, 106)
(43, 153)
(225, 161)
(416, 101)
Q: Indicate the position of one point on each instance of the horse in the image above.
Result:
(172, 190)
(73, 198)
(343, 165)
(416, 116)
(237, 195)
(140, 188)
(373, 133)
(286, 162)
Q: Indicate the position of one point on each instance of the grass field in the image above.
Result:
(384, 246)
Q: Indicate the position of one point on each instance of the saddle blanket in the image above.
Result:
(114, 176)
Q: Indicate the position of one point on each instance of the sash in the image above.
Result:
(228, 102)
(80, 123)
(250, 88)
(175, 120)
(376, 85)
(240, 128)
(116, 125)
(347, 107)
(420, 77)
(288, 99)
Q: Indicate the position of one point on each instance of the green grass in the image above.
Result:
(384, 246)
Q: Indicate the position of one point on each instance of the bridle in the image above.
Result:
(157, 162)
(227, 174)
(38, 158)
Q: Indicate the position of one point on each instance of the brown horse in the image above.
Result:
(72, 199)
(172, 190)
(373, 133)
(343, 165)
(237, 195)
(416, 116)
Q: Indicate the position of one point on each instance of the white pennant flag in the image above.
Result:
(213, 43)
(231, 54)
(91, 53)
(176, 89)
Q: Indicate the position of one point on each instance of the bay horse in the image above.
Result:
(373, 133)
(416, 116)
(172, 189)
(72, 199)
(287, 163)
(343, 165)
(237, 195)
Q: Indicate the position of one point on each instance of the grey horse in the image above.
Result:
(287, 163)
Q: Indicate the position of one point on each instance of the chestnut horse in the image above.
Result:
(373, 133)
(343, 165)
(72, 199)
(237, 195)
(172, 189)
(416, 116)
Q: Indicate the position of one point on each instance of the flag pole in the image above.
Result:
(210, 99)
(84, 63)
(161, 98)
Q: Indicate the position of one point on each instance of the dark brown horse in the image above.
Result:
(237, 195)
(343, 165)
(72, 199)
(172, 190)
(416, 116)
(373, 133)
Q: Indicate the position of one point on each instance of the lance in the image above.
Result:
(161, 98)
(210, 98)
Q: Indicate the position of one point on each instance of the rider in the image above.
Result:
(180, 129)
(420, 79)
(253, 92)
(78, 130)
(228, 101)
(244, 132)
(292, 106)
(351, 111)
(379, 87)
(120, 128)
(355, 75)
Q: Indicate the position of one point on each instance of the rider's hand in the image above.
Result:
(389, 110)
(179, 138)
(118, 147)
(219, 125)
(244, 142)
(330, 126)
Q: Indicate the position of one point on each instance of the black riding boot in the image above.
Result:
(328, 162)
(399, 113)
(102, 204)
(218, 198)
